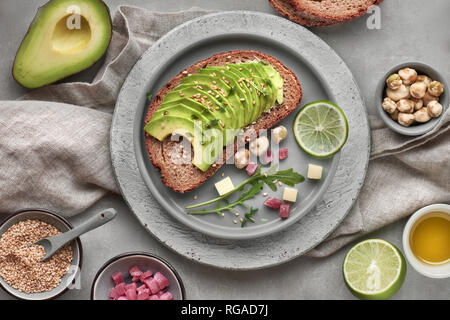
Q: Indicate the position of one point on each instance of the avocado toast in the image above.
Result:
(226, 92)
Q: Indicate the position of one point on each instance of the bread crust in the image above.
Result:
(288, 11)
(185, 177)
(313, 8)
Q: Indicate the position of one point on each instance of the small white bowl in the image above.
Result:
(428, 270)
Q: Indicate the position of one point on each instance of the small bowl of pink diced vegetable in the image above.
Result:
(137, 276)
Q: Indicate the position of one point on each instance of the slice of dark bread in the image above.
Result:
(287, 10)
(185, 176)
(333, 10)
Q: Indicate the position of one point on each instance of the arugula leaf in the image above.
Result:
(256, 183)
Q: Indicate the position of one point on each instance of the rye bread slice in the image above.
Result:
(333, 10)
(185, 177)
(287, 10)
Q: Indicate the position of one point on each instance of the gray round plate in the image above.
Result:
(323, 75)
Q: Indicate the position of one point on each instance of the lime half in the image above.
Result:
(374, 269)
(320, 128)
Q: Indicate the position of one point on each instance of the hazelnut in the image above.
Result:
(389, 105)
(422, 115)
(435, 88)
(241, 158)
(400, 93)
(394, 115)
(279, 134)
(394, 81)
(434, 109)
(405, 119)
(418, 103)
(418, 90)
(423, 78)
(408, 75)
(259, 146)
(405, 106)
(427, 98)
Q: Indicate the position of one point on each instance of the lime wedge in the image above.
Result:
(374, 269)
(320, 128)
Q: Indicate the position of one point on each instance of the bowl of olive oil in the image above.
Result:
(426, 241)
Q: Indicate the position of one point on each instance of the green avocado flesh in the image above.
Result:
(65, 37)
(211, 106)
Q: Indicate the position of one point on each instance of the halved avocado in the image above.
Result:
(65, 37)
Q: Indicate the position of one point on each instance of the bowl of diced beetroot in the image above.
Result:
(137, 276)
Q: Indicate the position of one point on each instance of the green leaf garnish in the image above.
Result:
(255, 183)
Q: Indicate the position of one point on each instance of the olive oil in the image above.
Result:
(430, 238)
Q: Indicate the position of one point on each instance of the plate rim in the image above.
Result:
(204, 257)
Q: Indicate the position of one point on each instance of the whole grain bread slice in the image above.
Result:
(333, 10)
(184, 176)
(287, 10)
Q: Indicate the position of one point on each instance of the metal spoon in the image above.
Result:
(53, 244)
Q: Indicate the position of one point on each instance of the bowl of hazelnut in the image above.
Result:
(411, 98)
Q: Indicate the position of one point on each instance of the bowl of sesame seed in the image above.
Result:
(22, 274)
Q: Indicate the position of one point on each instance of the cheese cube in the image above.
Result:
(224, 186)
(290, 194)
(314, 172)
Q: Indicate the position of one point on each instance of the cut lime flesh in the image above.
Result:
(374, 269)
(320, 128)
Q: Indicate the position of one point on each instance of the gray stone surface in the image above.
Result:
(368, 53)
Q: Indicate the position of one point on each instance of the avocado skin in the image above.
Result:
(37, 16)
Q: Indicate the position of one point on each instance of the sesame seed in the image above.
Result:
(195, 197)
(280, 183)
(185, 72)
(20, 259)
(237, 214)
(265, 194)
(234, 221)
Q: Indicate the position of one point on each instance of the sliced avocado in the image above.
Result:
(181, 110)
(277, 81)
(202, 113)
(209, 100)
(64, 38)
(254, 84)
(266, 85)
(242, 88)
(235, 94)
(190, 103)
(245, 83)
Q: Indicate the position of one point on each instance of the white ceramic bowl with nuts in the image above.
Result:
(411, 98)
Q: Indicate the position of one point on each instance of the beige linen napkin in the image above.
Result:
(56, 154)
